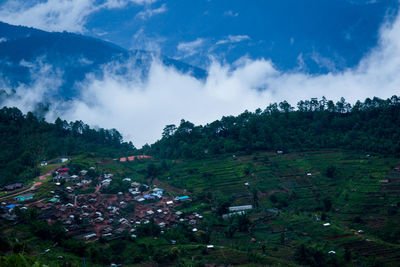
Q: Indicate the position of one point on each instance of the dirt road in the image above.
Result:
(33, 187)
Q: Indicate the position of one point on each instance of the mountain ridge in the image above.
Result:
(75, 55)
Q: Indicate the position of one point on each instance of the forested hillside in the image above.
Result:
(333, 205)
(26, 140)
(372, 125)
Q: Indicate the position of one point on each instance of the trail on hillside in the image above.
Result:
(33, 187)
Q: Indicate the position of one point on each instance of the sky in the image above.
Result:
(255, 52)
(327, 35)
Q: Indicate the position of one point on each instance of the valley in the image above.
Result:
(301, 211)
(199, 133)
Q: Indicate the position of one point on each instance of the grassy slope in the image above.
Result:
(355, 191)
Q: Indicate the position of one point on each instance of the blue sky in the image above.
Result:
(316, 36)
(255, 52)
(326, 35)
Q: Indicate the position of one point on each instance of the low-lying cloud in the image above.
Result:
(141, 107)
(45, 81)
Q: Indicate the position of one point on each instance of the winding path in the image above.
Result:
(33, 187)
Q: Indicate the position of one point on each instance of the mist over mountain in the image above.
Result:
(138, 92)
(199, 133)
(71, 56)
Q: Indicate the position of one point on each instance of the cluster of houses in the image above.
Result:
(94, 215)
(109, 215)
(62, 174)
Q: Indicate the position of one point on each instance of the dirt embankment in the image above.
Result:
(33, 187)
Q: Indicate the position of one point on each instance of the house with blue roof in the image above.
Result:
(11, 206)
(24, 197)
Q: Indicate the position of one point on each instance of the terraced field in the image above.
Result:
(295, 198)
(356, 196)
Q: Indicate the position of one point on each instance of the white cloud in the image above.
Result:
(233, 39)
(190, 48)
(46, 81)
(2, 39)
(140, 108)
(52, 15)
(363, 2)
(140, 40)
(123, 3)
(230, 13)
(84, 61)
(100, 33)
(58, 15)
(301, 65)
(324, 62)
(149, 12)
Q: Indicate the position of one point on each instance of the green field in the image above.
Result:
(358, 199)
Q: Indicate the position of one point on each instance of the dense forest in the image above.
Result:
(26, 140)
(372, 125)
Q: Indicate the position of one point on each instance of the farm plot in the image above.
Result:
(226, 176)
(386, 254)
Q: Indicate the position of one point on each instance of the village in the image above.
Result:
(81, 202)
(90, 216)
(119, 201)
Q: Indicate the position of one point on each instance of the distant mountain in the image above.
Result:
(73, 55)
(11, 32)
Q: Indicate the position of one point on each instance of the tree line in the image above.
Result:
(372, 125)
(26, 140)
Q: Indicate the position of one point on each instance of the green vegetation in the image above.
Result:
(331, 198)
(293, 205)
(26, 140)
(286, 228)
(369, 126)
